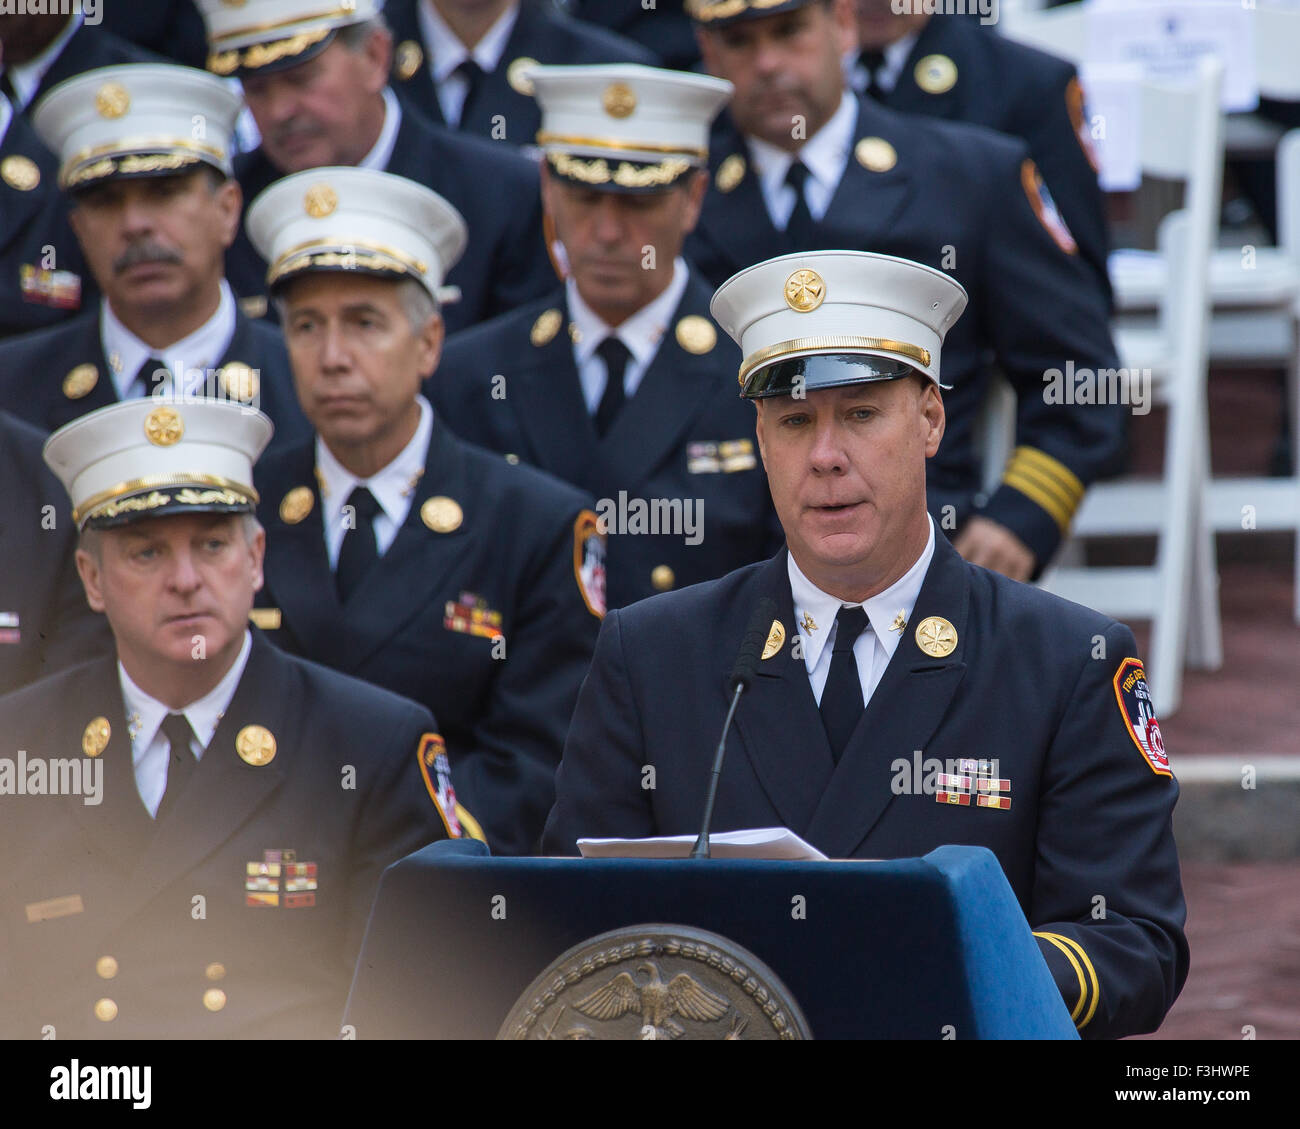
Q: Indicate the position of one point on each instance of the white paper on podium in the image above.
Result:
(755, 843)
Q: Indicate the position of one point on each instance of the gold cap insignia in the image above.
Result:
(545, 327)
(255, 745)
(730, 173)
(105, 1010)
(112, 100)
(805, 290)
(254, 306)
(935, 74)
(94, 739)
(619, 100)
(936, 637)
(442, 514)
(80, 381)
(696, 334)
(775, 637)
(517, 75)
(408, 60)
(163, 427)
(240, 381)
(20, 172)
(662, 578)
(296, 505)
(320, 201)
(875, 154)
(266, 619)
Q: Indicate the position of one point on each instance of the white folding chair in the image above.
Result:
(1182, 139)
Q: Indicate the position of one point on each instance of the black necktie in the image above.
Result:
(359, 552)
(799, 233)
(874, 63)
(841, 703)
(180, 760)
(153, 375)
(616, 356)
(473, 75)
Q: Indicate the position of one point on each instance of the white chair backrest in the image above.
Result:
(1277, 52)
(1059, 31)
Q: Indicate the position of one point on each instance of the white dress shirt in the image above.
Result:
(6, 116)
(641, 333)
(891, 70)
(145, 715)
(392, 487)
(447, 52)
(815, 611)
(26, 77)
(190, 360)
(825, 155)
(382, 150)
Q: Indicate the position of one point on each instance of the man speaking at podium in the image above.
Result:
(904, 699)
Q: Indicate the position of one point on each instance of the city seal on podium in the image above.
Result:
(656, 982)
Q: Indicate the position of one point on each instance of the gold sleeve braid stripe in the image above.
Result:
(1046, 482)
(1066, 944)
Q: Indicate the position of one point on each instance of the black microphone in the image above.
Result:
(742, 674)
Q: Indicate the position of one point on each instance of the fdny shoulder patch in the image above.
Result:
(1040, 200)
(435, 768)
(1139, 715)
(589, 561)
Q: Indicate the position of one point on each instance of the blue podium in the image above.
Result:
(922, 948)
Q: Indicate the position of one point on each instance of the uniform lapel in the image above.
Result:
(405, 25)
(546, 395)
(778, 719)
(297, 565)
(907, 97)
(903, 714)
(737, 221)
(225, 792)
(84, 346)
(417, 562)
(17, 207)
(866, 204)
(672, 392)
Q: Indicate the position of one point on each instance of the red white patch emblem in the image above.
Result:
(436, 770)
(1044, 207)
(589, 561)
(1139, 714)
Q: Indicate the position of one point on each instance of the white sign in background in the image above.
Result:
(1167, 38)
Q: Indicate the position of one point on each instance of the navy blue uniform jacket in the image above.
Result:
(502, 110)
(167, 900)
(34, 367)
(1089, 815)
(503, 706)
(45, 622)
(686, 434)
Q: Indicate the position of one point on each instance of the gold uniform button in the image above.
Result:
(106, 968)
(214, 999)
(663, 578)
(512, 459)
(105, 1010)
(215, 971)
(875, 154)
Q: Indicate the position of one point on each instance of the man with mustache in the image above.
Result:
(904, 699)
(802, 163)
(315, 79)
(619, 382)
(145, 161)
